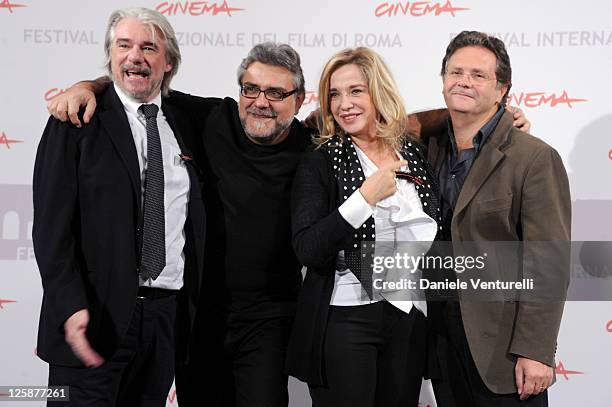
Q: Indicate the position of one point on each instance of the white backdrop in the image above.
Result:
(561, 53)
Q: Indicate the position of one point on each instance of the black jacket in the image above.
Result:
(319, 233)
(87, 200)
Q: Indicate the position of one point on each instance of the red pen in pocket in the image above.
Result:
(409, 177)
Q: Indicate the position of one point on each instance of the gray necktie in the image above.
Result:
(153, 255)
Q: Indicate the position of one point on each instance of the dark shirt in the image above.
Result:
(250, 265)
(456, 167)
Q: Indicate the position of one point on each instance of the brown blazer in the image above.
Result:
(517, 190)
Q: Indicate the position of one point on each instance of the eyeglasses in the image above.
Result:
(476, 77)
(272, 94)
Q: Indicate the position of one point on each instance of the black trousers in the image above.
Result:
(460, 384)
(374, 355)
(239, 362)
(141, 371)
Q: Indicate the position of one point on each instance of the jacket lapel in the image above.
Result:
(170, 111)
(170, 114)
(436, 152)
(116, 123)
(428, 190)
(486, 162)
(196, 215)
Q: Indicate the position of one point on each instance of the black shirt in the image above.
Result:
(250, 263)
(456, 167)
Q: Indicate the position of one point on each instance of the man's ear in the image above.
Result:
(298, 102)
(503, 89)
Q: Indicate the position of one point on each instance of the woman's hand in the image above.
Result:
(381, 184)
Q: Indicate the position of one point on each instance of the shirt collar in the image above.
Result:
(131, 106)
(486, 130)
(483, 134)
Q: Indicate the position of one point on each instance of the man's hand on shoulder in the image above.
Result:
(520, 120)
(75, 328)
(532, 377)
(66, 106)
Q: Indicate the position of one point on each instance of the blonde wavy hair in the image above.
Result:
(391, 121)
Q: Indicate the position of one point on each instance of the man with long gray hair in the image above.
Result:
(118, 227)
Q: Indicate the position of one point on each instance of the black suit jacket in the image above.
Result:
(87, 211)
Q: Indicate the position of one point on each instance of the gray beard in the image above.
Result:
(141, 97)
(266, 138)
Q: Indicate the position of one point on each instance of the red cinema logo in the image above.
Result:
(610, 157)
(416, 8)
(537, 99)
(7, 141)
(195, 8)
(53, 92)
(560, 369)
(10, 6)
(2, 302)
(609, 324)
(311, 97)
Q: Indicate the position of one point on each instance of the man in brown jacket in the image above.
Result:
(497, 184)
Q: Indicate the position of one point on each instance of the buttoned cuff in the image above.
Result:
(356, 210)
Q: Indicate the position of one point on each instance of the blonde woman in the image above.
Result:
(366, 181)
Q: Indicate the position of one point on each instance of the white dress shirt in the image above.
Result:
(176, 188)
(398, 218)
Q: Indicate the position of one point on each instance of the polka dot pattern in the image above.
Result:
(350, 176)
